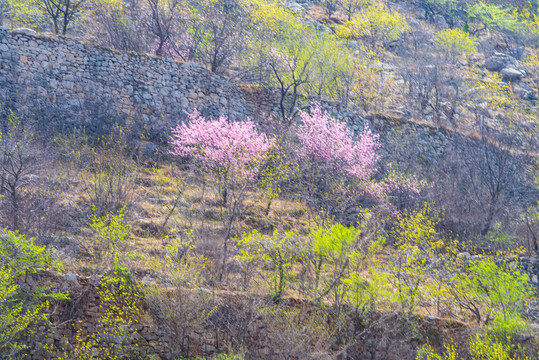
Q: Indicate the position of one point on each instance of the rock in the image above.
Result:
(439, 22)
(421, 14)
(208, 349)
(511, 74)
(294, 6)
(499, 61)
(414, 24)
(72, 279)
(25, 31)
(319, 355)
(534, 261)
(464, 256)
(525, 92)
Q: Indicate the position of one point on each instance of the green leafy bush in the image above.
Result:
(114, 336)
(19, 254)
(278, 252)
(454, 43)
(417, 242)
(495, 291)
(112, 234)
(21, 309)
(487, 347)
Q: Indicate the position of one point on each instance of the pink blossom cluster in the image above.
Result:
(397, 180)
(226, 148)
(329, 143)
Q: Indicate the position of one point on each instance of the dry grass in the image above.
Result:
(158, 193)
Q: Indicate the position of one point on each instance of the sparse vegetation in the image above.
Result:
(389, 192)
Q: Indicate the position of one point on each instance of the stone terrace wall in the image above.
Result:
(80, 80)
(66, 82)
(234, 316)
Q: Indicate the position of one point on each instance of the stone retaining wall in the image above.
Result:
(65, 81)
(79, 80)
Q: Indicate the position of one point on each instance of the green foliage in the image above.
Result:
(499, 290)
(61, 13)
(426, 352)
(487, 347)
(274, 171)
(330, 252)
(22, 256)
(114, 335)
(295, 58)
(177, 248)
(284, 50)
(482, 347)
(112, 235)
(488, 89)
(531, 61)
(417, 243)
(27, 12)
(372, 87)
(277, 251)
(365, 286)
(376, 24)
(454, 43)
(21, 309)
(16, 316)
(494, 16)
(332, 68)
(530, 22)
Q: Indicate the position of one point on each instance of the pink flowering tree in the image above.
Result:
(230, 153)
(338, 171)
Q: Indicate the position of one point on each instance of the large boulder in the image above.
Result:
(525, 92)
(512, 74)
(499, 61)
(439, 22)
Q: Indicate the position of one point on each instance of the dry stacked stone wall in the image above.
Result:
(68, 82)
(77, 82)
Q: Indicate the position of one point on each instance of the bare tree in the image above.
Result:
(117, 27)
(29, 199)
(218, 32)
(17, 164)
(162, 23)
(62, 13)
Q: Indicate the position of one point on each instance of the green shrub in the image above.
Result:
(496, 293)
(22, 256)
(112, 234)
(487, 347)
(114, 335)
(454, 43)
(426, 352)
(278, 252)
(21, 309)
(417, 242)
